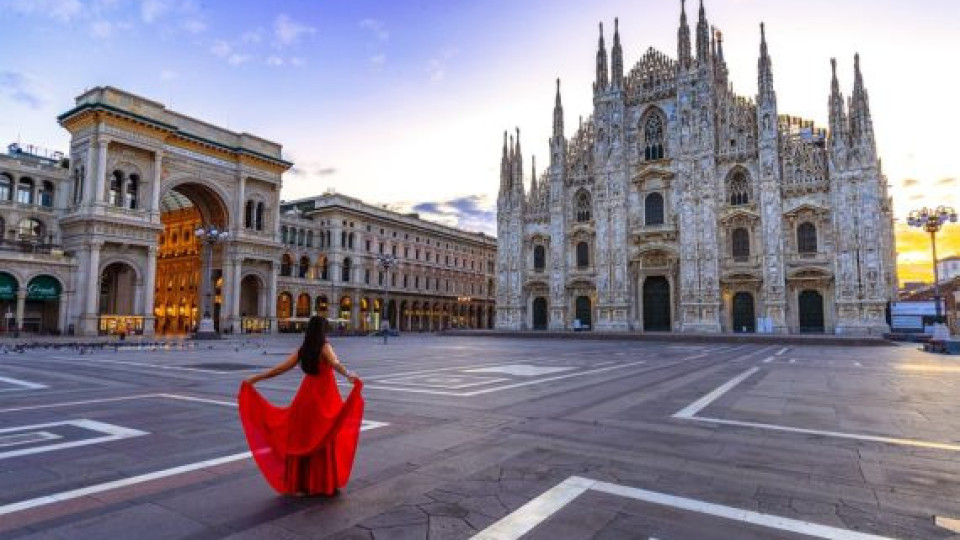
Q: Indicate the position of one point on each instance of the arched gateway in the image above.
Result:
(153, 176)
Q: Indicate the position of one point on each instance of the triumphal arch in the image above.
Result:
(143, 180)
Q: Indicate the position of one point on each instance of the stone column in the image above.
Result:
(100, 172)
(21, 304)
(155, 185)
(149, 290)
(91, 291)
(232, 272)
(240, 210)
(272, 296)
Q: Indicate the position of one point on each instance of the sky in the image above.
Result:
(404, 102)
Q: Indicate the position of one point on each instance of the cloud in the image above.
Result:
(287, 31)
(151, 10)
(311, 169)
(946, 181)
(101, 29)
(194, 26)
(61, 10)
(252, 36)
(377, 28)
(23, 88)
(378, 60)
(910, 182)
(236, 59)
(437, 66)
(470, 212)
(221, 49)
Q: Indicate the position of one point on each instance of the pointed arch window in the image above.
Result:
(807, 237)
(583, 255)
(741, 244)
(653, 138)
(738, 189)
(539, 258)
(583, 206)
(653, 209)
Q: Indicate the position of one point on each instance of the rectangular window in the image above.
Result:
(366, 276)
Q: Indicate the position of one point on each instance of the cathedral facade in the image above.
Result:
(681, 206)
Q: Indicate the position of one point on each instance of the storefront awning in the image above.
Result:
(43, 288)
(8, 286)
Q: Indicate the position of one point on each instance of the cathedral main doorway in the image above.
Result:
(584, 312)
(656, 304)
(810, 308)
(539, 313)
(744, 315)
(177, 300)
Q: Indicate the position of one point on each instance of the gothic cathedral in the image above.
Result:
(681, 206)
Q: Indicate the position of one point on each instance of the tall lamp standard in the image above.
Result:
(932, 221)
(386, 261)
(208, 235)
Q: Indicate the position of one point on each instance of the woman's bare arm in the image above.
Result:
(330, 357)
(278, 369)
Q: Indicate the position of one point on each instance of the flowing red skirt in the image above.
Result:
(309, 446)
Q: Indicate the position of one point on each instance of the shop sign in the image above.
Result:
(43, 288)
(8, 287)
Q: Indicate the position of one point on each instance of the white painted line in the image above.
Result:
(837, 434)
(449, 382)
(528, 516)
(768, 359)
(793, 360)
(521, 370)
(535, 512)
(70, 403)
(782, 351)
(113, 433)
(690, 410)
(858, 364)
(27, 438)
(143, 364)
(124, 482)
(504, 387)
(735, 514)
(24, 385)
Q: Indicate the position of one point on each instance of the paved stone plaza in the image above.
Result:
(469, 436)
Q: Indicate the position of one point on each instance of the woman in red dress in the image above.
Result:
(308, 447)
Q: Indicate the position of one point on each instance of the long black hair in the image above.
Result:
(313, 341)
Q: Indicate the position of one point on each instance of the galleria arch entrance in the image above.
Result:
(178, 301)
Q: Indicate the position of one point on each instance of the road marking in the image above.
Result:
(782, 351)
(112, 433)
(689, 413)
(139, 479)
(521, 370)
(504, 387)
(690, 410)
(449, 382)
(768, 359)
(535, 512)
(793, 360)
(858, 364)
(24, 385)
(27, 438)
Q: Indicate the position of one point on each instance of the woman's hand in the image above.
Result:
(253, 379)
(353, 377)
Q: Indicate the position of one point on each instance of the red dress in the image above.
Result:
(307, 447)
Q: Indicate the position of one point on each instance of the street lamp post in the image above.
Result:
(386, 261)
(208, 235)
(932, 221)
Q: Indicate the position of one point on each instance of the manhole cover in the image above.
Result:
(224, 366)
